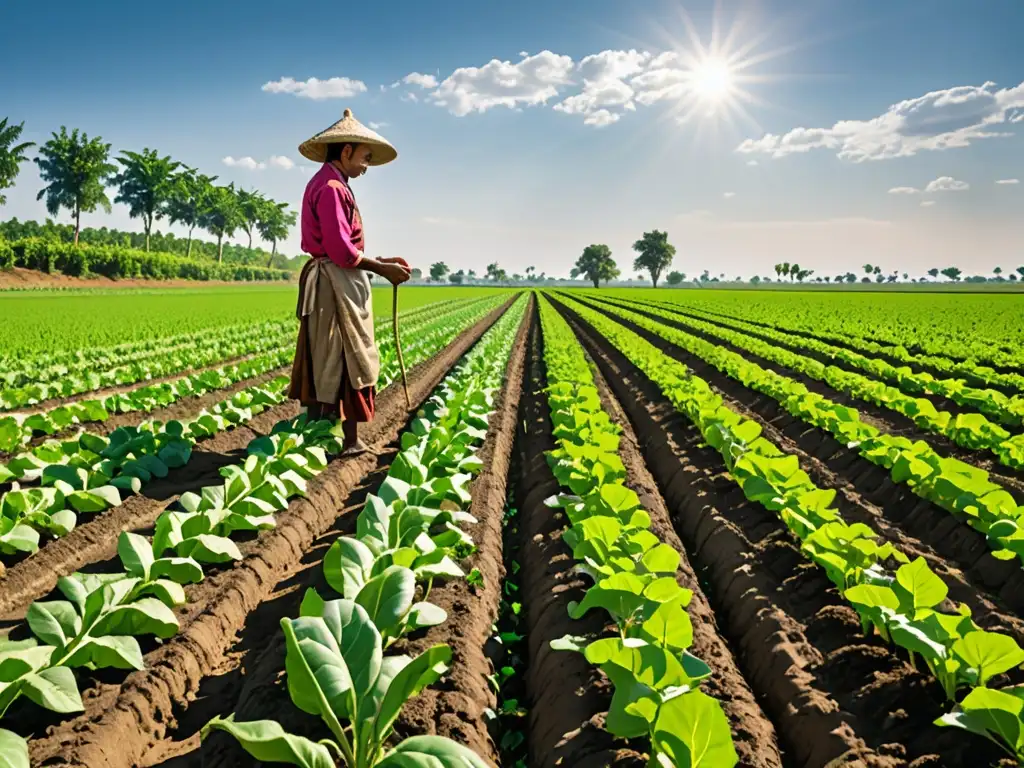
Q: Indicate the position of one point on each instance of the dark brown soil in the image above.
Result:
(568, 697)
(753, 733)
(122, 721)
(833, 695)
(884, 419)
(18, 277)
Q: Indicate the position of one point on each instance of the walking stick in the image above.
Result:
(398, 345)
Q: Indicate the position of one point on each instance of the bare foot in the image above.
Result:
(355, 449)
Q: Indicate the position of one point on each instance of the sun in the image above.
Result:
(712, 80)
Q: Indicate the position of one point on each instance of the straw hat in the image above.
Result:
(348, 129)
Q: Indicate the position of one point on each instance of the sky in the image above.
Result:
(827, 132)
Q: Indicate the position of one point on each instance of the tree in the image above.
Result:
(438, 270)
(75, 168)
(416, 274)
(878, 270)
(868, 269)
(493, 271)
(656, 254)
(221, 214)
(675, 278)
(596, 264)
(11, 155)
(803, 274)
(934, 271)
(189, 190)
(783, 269)
(250, 204)
(1020, 271)
(529, 273)
(472, 274)
(997, 272)
(273, 223)
(457, 278)
(952, 273)
(851, 278)
(145, 185)
(904, 276)
(794, 270)
(755, 280)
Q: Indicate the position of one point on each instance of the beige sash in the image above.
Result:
(338, 305)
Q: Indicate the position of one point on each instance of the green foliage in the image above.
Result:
(145, 185)
(438, 270)
(273, 221)
(221, 213)
(596, 264)
(675, 278)
(75, 169)
(12, 155)
(656, 254)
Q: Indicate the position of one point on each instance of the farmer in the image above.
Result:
(336, 361)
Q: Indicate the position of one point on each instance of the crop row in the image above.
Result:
(963, 490)
(91, 473)
(656, 680)
(1007, 410)
(941, 358)
(407, 538)
(895, 597)
(968, 430)
(98, 625)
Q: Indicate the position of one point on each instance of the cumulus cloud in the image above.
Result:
(252, 164)
(1007, 181)
(938, 120)
(332, 88)
(420, 79)
(604, 85)
(248, 163)
(947, 184)
(903, 191)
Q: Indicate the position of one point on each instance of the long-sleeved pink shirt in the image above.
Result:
(331, 224)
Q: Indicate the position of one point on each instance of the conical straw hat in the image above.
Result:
(348, 129)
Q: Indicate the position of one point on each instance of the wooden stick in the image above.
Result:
(398, 345)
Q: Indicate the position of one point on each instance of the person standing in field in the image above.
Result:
(336, 365)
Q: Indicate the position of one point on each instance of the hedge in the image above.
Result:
(83, 260)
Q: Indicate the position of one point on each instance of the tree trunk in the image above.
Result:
(654, 279)
(78, 224)
(147, 237)
(273, 253)
(249, 233)
(220, 248)
(188, 248)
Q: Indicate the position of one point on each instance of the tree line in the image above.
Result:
(874, 273)
(77, 171)
(654, 256)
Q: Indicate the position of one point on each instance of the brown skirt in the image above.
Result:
(355, 404)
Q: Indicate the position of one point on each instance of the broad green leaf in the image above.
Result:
(692, 730)
(267, 741)
(136, 554)
(387, 598)
(921, 588)
(347, 566)
(990, 653)
(181, 570)
(424, 670)
(54, 622)
(147, 616)
(54, 689)
(431, 752)
(13, 748)
(206, 548)
(109, 651)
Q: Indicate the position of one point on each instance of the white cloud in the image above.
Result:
(523, 54)
(1007, 181)
(601, 117)
(938, 120)
(280, 161)
(248, 163)
(604, 85)
(947, 184)
(752, 162)
(420, 79)
(533, 80)
(333, 88)
(727, 195)
(378, 126)
(927, 203)
(903, 191)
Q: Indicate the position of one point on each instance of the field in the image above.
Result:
(620, 527)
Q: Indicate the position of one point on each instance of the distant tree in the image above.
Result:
(828, 278)
(250, 205)
(493, 271)
(656, 254)
(705, 276)
(596, 264)
(145, 184)
(189, 191)
(934, 271)
(865, 279)
(755, 280)
(850, 277)
(416, 274)
(868, 269)
(782, 269)
(893, 277)
(803, 274)
(457, 278)
(76, 169)
(794, 270)
(438, 270)
(675, 278)
(221, 215)
(11, 155)
(878, 270)
(274, 222)
(879, 278)
(998, 271)
(529, 273)
(516, 277)
(952, 273)
(472, 274)
(1013, 277)
(1020, 271)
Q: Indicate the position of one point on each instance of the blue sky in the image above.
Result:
(849, 132)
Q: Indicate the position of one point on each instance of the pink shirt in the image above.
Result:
(331, 224)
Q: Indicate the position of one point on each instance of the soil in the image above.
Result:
(124, 719)
(21, 278)
(568, 697)
(836, 697)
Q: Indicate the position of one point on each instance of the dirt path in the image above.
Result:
(124, 718)
(834, 695)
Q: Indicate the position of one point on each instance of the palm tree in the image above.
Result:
(76, 169)
(273, 224)
(794, 270)
(250, 205)
(145, 185)
(189, 191)
(11, 155)
(221, 215)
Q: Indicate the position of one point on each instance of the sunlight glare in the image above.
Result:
(712, 79)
